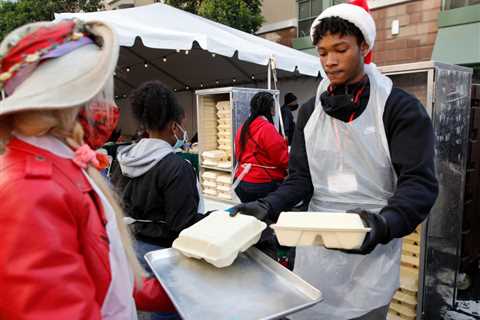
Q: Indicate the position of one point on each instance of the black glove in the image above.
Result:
(259, 209)
(379, 231)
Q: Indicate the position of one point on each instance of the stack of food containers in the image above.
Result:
(217, 148)
(224, 186)
(209, 125)
(209, 182)
(214, 157)
(224, 131)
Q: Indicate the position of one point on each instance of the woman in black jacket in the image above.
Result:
(158, 187)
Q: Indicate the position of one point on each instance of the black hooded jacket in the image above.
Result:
(158, 187)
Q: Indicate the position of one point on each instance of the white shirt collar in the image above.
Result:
(48, 143)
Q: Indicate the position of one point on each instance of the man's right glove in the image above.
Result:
(379, 231)
(259, 209)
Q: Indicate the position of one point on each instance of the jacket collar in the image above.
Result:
(59, 158)
(48, 143)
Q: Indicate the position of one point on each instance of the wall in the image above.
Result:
(304, 88)
(280, 23)
(129, 125)
(143, 2)
(284, 36)
(127, 122)
(187, 101)
(276, 11)
(418, 30)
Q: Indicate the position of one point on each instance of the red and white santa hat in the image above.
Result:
(357, 13)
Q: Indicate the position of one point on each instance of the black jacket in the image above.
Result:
(288, 123)
(411, 142)
(167, 194)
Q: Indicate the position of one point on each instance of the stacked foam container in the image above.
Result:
(224, 186)
(214, 158)
(224, 131)
(217, 121)
(209, 125)
(209, 182)
(217, 184)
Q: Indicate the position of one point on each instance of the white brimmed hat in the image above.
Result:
(69, 80)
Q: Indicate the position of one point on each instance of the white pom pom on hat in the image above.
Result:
(356, 13)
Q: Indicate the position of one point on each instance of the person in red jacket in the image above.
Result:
(261, 153)
(66, 252)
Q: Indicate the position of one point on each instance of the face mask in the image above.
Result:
(338, 106)
(342, 106)
(293, 107)
(180, 142)
(98, 120)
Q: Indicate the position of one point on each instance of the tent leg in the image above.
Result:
(269, 75)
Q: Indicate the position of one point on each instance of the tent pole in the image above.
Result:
(269, 74)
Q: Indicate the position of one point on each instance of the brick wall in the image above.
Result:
(284, 36)
(418, 30)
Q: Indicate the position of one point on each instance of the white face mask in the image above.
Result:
(180, 142)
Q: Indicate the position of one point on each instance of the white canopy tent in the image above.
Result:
(187, 52)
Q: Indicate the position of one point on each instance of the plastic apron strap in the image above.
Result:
(245, 170)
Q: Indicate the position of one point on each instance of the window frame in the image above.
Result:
(325, 4)
(466, 4)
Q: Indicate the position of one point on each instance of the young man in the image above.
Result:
(363, 146)
(290, 104)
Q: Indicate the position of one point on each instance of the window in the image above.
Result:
(308, 10)
(453, 4)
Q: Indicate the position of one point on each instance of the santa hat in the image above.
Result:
(357, 13)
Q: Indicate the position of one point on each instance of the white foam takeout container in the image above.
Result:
(336, 230)
(219, 238)
(216, 155)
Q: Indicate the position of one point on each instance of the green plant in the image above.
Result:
(16, 14)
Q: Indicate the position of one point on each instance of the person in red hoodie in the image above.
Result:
(261, 153)
(66, 252)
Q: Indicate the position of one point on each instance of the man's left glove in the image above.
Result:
(259, 209)
(379, 231)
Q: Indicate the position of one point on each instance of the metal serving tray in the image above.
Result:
(254, 287)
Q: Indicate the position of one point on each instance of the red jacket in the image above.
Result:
(54, 257)
(264, 147)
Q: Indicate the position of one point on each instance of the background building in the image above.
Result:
(122, 4)
(406, 29)
(280, 21)
(458, 40)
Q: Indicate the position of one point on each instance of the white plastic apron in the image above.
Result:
(351, 168)
(119, 303)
